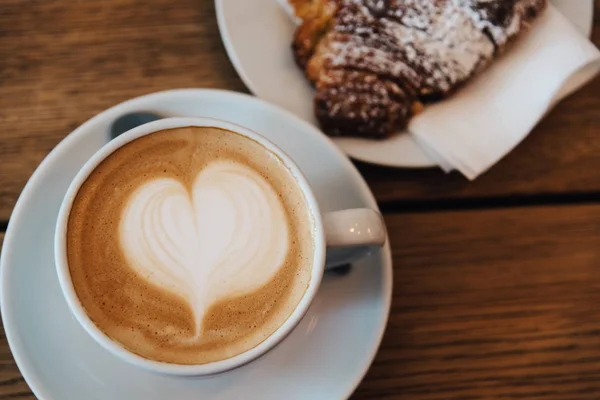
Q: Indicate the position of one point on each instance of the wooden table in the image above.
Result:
(497, 282)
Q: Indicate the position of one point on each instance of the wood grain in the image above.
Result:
(497, 304)
(12, 384)
(63, 61)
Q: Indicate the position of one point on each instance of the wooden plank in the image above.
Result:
(61, 62)
(497, 304)
(12, 384)
(488, 304)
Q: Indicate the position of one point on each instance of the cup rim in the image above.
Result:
(115, 347)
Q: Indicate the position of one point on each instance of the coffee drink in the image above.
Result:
(190, 245)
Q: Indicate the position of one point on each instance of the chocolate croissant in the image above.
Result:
(373, 63)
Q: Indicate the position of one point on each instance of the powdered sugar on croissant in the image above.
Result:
(373, 62)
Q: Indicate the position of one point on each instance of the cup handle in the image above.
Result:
(352, 234)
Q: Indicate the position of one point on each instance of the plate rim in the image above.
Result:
(20, 356)
(234, 59)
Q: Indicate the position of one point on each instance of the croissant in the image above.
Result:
(374, 63)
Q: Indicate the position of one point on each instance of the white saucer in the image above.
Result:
(257, 35)
(324, 358)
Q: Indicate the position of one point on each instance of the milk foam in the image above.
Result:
(224, 237)
(190, 245)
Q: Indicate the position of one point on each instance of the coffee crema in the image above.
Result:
(190, 245)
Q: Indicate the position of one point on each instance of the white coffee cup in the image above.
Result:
(340, 237)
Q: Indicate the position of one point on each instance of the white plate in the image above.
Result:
(257, 35)
(324, 358)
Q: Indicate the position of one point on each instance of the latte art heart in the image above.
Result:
(190, 245)
(225, 236)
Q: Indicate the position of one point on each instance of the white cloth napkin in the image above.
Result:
(481, 123)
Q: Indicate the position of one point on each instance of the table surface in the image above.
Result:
(496, 282)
